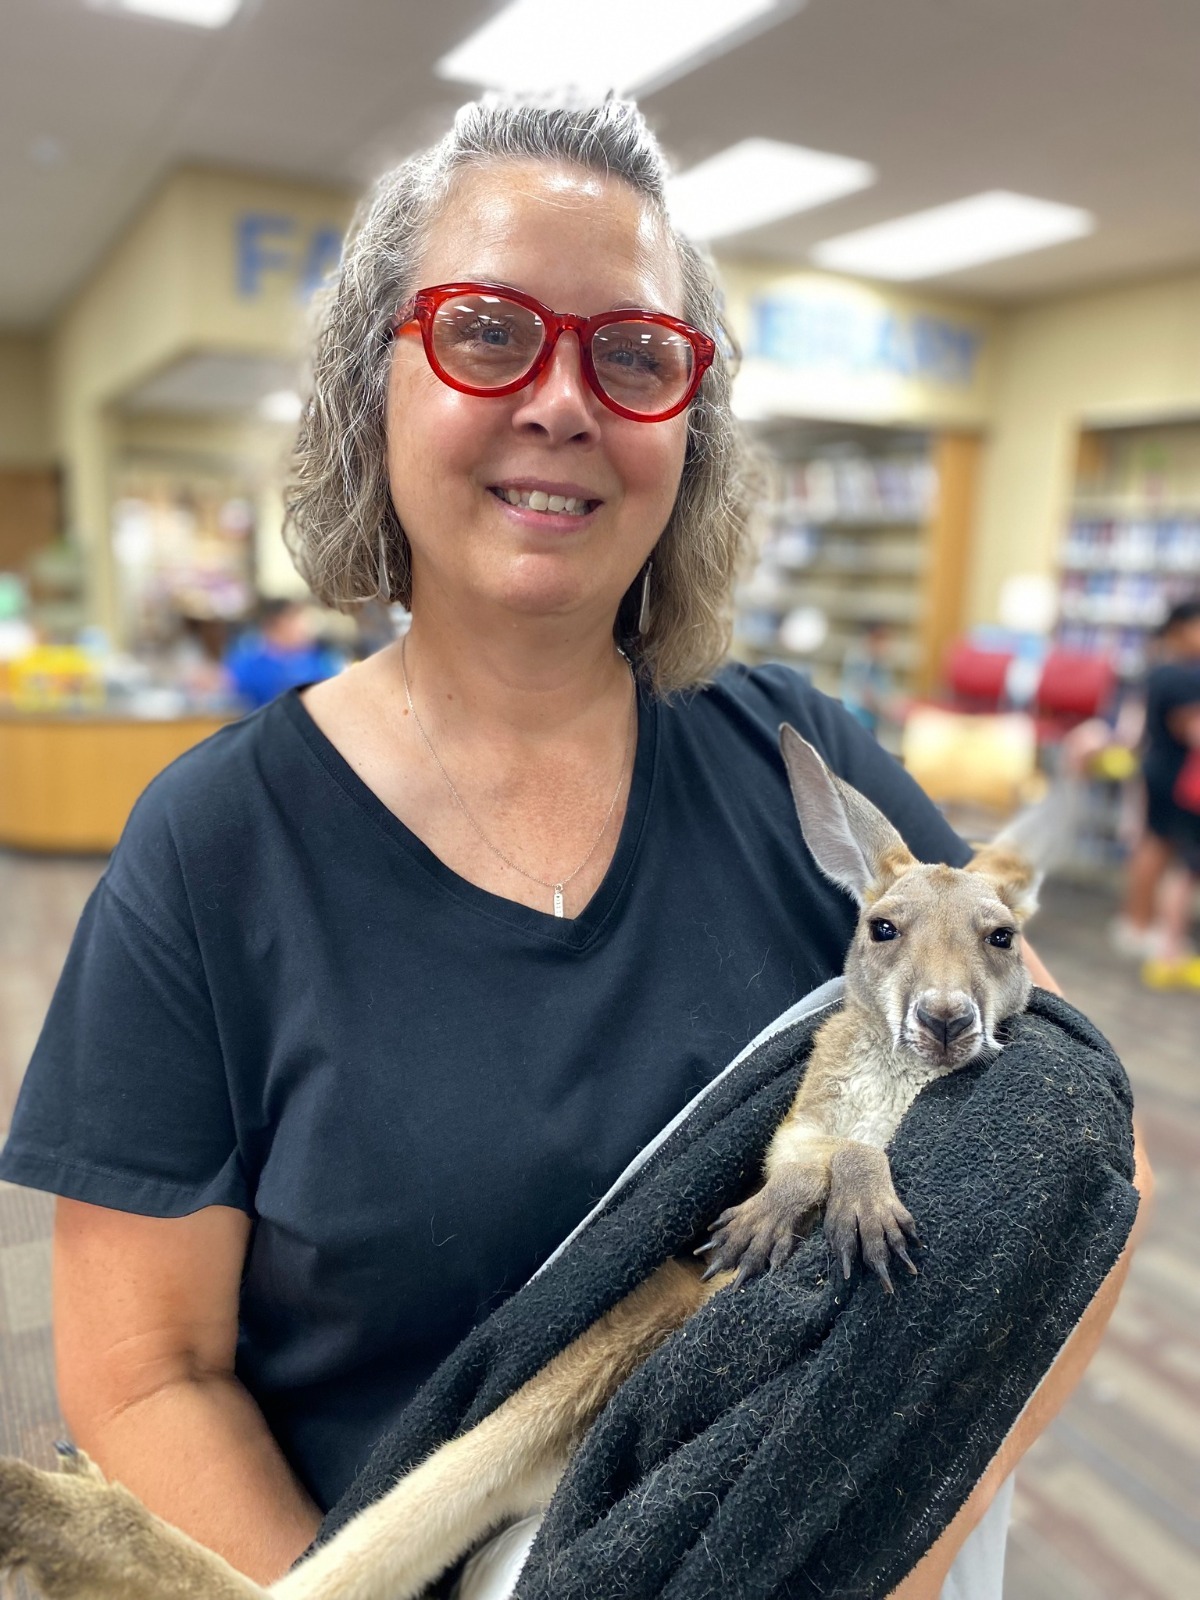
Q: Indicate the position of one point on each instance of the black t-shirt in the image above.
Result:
(278, 999)
(1169, 688)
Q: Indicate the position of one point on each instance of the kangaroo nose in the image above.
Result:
(944, 1023)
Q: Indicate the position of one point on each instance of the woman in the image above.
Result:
(386, 983)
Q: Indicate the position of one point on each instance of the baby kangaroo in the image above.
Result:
(934, 967)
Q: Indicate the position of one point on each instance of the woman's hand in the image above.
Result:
(145, 1332)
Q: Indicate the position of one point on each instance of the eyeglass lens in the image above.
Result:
(487, 341)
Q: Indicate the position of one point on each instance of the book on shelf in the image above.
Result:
(1166, 543)
(851, 488)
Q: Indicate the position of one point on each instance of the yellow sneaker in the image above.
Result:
(1160, 974)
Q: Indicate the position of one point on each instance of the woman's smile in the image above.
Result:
(547, 507)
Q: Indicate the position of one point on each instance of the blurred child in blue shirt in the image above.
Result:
(279, 653)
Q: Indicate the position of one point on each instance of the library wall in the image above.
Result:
(818, 346)
(1127, 355)
(25, 439)
(29, 488)
(215, 262)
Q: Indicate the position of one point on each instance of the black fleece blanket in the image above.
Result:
(805, 1436)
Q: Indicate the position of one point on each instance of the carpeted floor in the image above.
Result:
(1107, 1501)
(40, 902)
(29, 1419)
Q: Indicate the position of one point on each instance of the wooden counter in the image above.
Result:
(68, 782)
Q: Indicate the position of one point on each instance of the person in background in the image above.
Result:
(868, 685)
(280, 653)
(1170, 843)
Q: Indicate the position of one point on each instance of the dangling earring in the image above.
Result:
(385, 585)
(644, 607)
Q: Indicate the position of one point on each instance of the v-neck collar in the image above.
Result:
(572, 932)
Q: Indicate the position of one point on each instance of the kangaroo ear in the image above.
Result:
(1016, 878)
(1035, 842)
(851, 841)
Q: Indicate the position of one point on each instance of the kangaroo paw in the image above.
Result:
(38, 1528)
(865, 1213)
(760, 1233)
(75, 1537)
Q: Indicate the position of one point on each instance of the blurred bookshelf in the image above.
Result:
(859, 525)
(1132, 544)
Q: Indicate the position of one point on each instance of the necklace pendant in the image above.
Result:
(558, 900)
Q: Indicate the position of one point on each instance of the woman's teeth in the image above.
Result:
(538, 500)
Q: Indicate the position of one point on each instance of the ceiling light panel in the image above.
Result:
(196, 13)
(950, 238)
(281, 405)
(592, 46)
(759, 181)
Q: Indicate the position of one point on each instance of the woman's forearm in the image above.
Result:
(200, 1455)
(925, 1581)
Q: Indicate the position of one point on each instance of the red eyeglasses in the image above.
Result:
(486, 340)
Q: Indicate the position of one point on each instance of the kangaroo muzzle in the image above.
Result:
(944, 1027)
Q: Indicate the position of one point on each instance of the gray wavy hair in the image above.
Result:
(340, 525)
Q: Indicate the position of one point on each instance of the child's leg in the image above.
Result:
(1175, 912)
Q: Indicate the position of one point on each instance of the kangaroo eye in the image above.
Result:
(882, 930)
(1000, 939)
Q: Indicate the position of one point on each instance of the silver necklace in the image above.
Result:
(462, 805)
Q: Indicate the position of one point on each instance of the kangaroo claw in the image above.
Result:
(762, 1233)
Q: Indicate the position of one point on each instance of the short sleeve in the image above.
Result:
(1177, 685)
(125, 1103)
